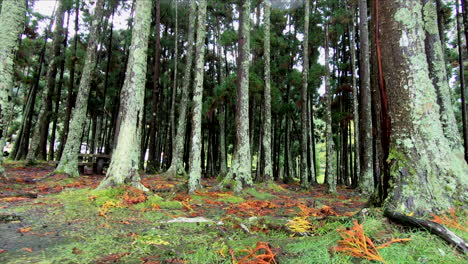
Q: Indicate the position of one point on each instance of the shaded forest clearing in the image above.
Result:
(70, 222)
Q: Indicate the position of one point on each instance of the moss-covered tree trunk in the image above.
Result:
(438, 74)
(197, 102)
(266, 138)
(11, 25)
(427, 175)
(125, 158)
(69, 161)
(366, 177)
(241, 167)
(304, 95)
(177, 163)
(461, 78)
(330, 146)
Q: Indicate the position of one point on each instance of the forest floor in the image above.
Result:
(70, 222)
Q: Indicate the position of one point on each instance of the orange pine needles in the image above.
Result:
(355, 243)
(450, 220)
(267, 257)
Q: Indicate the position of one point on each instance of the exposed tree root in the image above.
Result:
(437, 229)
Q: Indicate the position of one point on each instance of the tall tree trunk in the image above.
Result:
(195, 167)
(125, 159)
(11, 25)
(366, 178)
(426, 174)
(69, 161)
(241, 166)
(266, 138)
(222, 110)
(39, 140)
(357, 154)
(152, 156)
(304, 95)
(71, 86)
(438, 74)
(330, 152)
(177, 163)
(461, 76)
(59, 91)
(174, 88)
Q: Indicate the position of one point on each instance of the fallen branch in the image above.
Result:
(434, 228)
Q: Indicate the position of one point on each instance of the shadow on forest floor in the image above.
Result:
(70, 222)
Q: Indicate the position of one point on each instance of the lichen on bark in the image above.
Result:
(241, 167)
(125, 158)
(69, 161)
(11, 24)
(197, 102)
(266, 138)
(304, 95)
(427, 175)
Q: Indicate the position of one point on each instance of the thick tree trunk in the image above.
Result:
(304, 95)
(177, 163)
(330, 152)
(266, 138)
(125, 159)
(69, 161)
(241, 167)
(11, 25)
(195, 166)
(39, 139)
(426, 174)
(366, 177)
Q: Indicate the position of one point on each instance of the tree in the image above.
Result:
(366, 178)
(241, 167)
(304, 96)
(426, 174)
(39, 140)
(330, 152)
(195, 143)
(11, 24)
(268, 170)
(177, 164)
(69, 161)
(125, 159)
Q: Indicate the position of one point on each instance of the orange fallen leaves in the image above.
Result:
(355, 243)
(322, 212)
(252, 208)
(12, 199)
(253, 256)
(450, 220)
(133, 195)
(24, 230)
(27, 249)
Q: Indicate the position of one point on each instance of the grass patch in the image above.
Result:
(259, 195)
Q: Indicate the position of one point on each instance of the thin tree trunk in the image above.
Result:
(195, 161)
(266, 138)
(357, 143)
(153, 157)
(304, 95)
(330, 153)
(461, 77)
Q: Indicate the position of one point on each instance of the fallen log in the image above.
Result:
(434, 228)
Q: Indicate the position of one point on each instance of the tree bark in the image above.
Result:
(195, 166)
(241, 166)
(125, 159)
(330, 152)
(11, 25)
(304, 95)
(426, 175)
(357, 154)
(152, 156)
(69, 161)
(39, 139)
(177, 163)
(366, 178)
(461, 76)
(266, 138)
